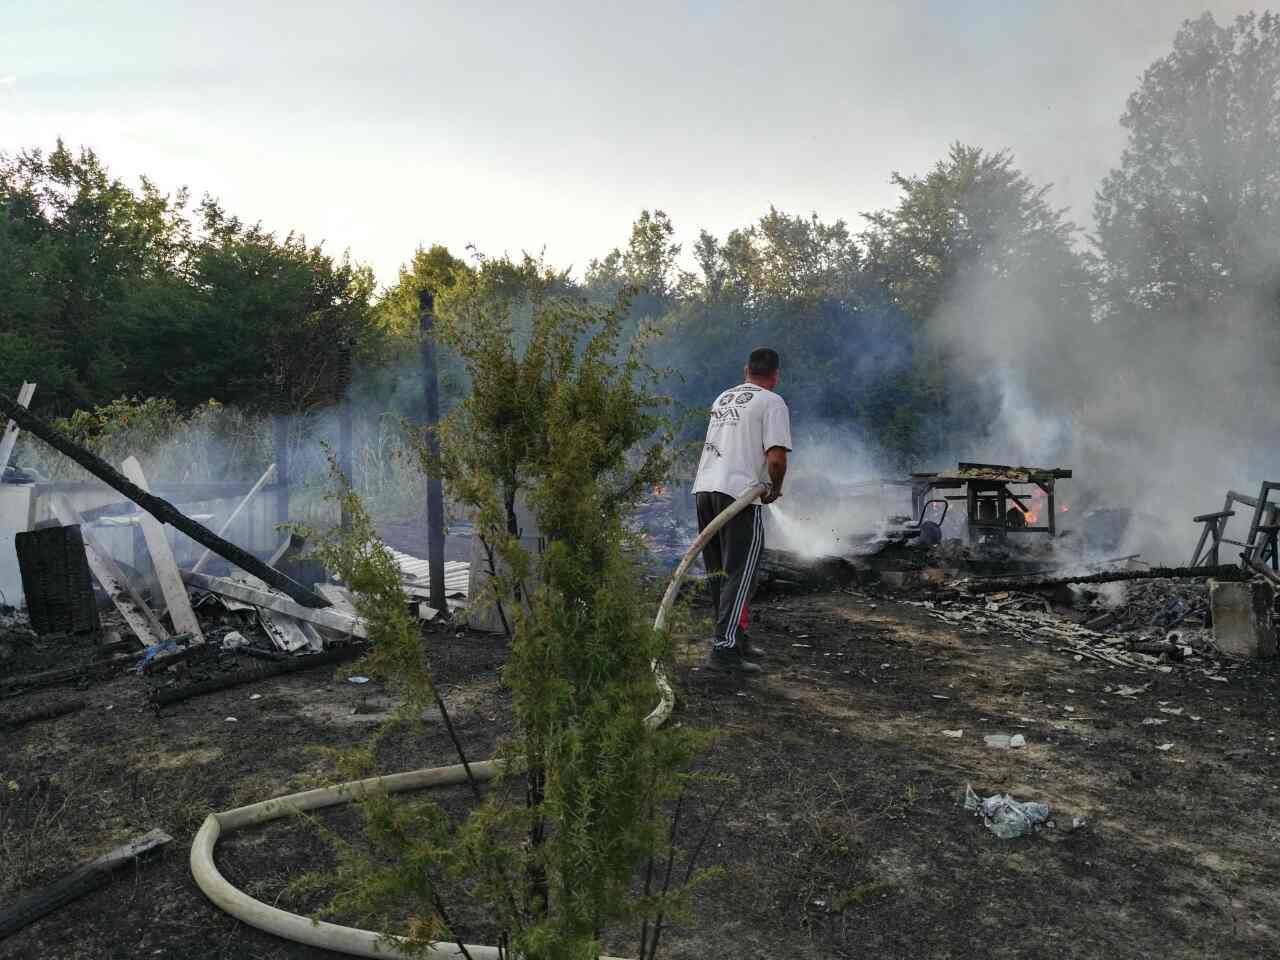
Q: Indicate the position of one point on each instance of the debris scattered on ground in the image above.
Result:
(1005, 817)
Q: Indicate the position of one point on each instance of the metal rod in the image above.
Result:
(435, 486)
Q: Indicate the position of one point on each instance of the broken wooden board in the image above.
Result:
(171, 585)
(140, 618)
(235, 514)
(9, 439)
(322, 616)
(135, 519)
(89, 877)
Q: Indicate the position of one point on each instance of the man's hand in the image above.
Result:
(776, 460)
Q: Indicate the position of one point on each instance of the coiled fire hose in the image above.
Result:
(366, 943)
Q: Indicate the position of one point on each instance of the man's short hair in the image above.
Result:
(763, 362)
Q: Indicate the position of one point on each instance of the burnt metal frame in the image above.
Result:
(1253, 547)
(977, 489)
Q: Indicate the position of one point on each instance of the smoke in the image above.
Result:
(1161, 422)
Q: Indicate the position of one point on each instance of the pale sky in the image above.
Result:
(381, 125)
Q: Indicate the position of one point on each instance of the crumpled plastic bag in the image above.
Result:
(1004, 816)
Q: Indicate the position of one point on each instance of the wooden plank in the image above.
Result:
(11, 430)
(324, 617)
(89, 877)
(171, 585)
(235, 514)
(141, 620)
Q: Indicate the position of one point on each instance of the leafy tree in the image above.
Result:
(108, 291)
(649, 264)
(1188, 225)
(82, 258)
(987, 274)
(561, 411)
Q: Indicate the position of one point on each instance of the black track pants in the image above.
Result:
(732, 558)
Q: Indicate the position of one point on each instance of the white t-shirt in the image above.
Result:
(745, 422)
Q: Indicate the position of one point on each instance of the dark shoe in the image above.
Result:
(731, 660)
(748, 649)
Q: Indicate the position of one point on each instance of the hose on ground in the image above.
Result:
(354, 941)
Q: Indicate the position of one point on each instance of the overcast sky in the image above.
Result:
(376, 126)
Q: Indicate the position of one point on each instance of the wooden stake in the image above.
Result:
(11, 430)
(175, 592)
(235, 514)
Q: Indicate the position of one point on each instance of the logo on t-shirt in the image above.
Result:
(744, 398)
(726, 399)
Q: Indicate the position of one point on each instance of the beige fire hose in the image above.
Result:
(366, 943)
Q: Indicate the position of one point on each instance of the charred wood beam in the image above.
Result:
(1111, 576)
(48, 711)
(95, 670)
(75, 885)
(785, 565)
(160, 509)
(168, 695)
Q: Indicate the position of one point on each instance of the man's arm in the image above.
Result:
(776, 460)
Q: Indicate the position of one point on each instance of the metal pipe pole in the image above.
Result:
(280, 442)
(435, 486)
(344, 454)
(346, 414)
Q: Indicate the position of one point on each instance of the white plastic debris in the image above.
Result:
(954, 734)
(1004, 816)
(234, 639)
(1165, 747)
(232, 720)
(1002, 741)
(357, 679)
(255, 696)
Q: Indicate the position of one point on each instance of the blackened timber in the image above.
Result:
(167, 695)
(48, 711)
(160, 509)
(75, 885)
(1112, 576)
(93, 670)
(785, 565)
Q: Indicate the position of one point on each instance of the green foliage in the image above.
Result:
(557, 418)
(1189, 222)
(559, 414)
(211, 442)
(108, 291)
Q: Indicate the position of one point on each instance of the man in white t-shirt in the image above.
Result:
(747, 443)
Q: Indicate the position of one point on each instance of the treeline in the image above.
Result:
(109, 291)
(908, 329)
